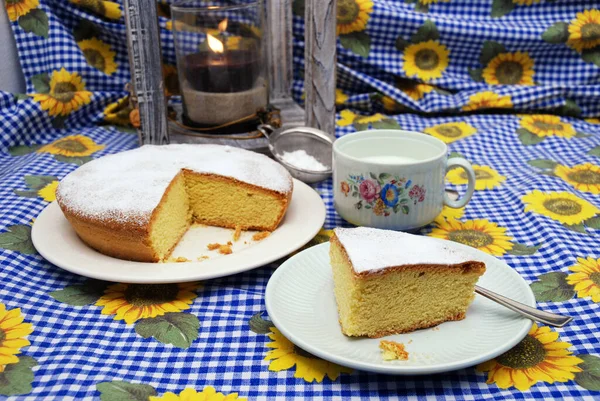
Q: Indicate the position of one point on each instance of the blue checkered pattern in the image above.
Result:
(78, 347)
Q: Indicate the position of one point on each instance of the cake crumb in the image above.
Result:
(224, 249)
(201, 258)
(393, 351)
(261, 235)
(436, 328)
(212, 247)
(181, 259)
(237, 233)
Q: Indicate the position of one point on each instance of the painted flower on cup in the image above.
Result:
(369, 190)
(583, 177)
(345, 188)
(586, 278)
(384, 194)
(563, 207)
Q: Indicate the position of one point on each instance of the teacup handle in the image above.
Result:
(465, 165)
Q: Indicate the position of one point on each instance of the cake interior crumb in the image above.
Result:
(237, 233)
(201, 258)
(393, 351)
(261, 235)
(224, 249)
(181, 259)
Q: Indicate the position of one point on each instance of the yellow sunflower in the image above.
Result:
(353, 15)
(12, 335)
(48, 193)
(285, 355)
(544, 125)
(451, 213)
(488, 100)
(481, 234)
(99, 55)
(509, 69)
(340, 97)
(18, 8)
(487, 177)
(190, 394)
(390, 105)
(67, 94)
(72, 146)
(584, 30)
(118, 112)
(525, 2)
(584, 177)
(107, 9)
(560, 206)
(586, 278)
(427, 2)
(450, 132)
(426, 60)
(413, 89)
(349, 118)
(131, 302)
(592, 120)
(538, 357)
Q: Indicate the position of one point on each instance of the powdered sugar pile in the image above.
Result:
(127, 186)
(371, 249)
(302, 160)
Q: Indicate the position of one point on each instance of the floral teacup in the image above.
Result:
(394, 179)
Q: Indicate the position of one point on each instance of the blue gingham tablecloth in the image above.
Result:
(510, 85)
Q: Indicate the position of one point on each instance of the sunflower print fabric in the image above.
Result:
(511, 85)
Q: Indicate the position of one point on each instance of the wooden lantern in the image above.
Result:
(143, 41)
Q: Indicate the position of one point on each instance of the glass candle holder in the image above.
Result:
(219, 47)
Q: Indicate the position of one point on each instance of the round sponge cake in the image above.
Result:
(137, 204)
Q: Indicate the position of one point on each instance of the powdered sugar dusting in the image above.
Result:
(127, 186)
(371, 249)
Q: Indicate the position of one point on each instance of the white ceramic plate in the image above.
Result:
(56, 241)
(301, 304)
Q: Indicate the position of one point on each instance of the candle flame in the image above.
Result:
(223, 25)
(215, 44)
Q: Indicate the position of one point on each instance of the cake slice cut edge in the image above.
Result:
(398, 294)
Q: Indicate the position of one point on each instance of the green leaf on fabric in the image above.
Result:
(476, 74)
(552, 287)
(21, 150)
(179, 329)
(86, 30)
(456, 154)
(410, 1)
(557, 33)
(527, 138)
(41, 82)
(543, 163)
(360, 126)
(442, 91)
(401, 43)
(522, 249)
(21, 96)
(570, 108)
(502, 7)
(298, 7)
(589, 377)
(125, 130)
(489, 50)
(124, 391)
(259, 325)
(17, 377)
(81, 294)
(593, 222)
(427, 31)
(17, 238)
(595, 151)
(26, 194)
(592, 55)
(421, 8)
(38, 181)
(58, 122)
(580, 134)
(388, 123)
(357, 42)
(579, 228)
(36, 22)
(80, 161)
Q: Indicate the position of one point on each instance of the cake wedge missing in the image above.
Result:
(389, 282)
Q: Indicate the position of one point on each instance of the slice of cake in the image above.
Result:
(389, 282)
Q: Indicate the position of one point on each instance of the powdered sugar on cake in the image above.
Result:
(372, 249)
(128, 186)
